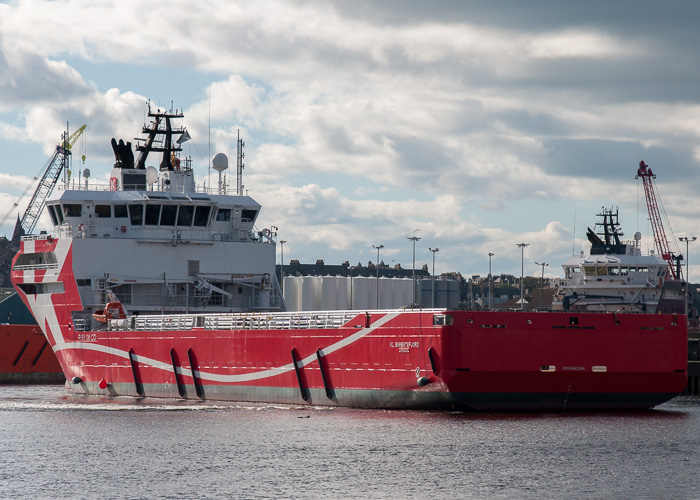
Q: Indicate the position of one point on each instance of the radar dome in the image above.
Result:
(86, 173)
(637, 236)
(151, 174)
(219, 162)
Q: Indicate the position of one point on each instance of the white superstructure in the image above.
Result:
(159, 243)
(615, 276)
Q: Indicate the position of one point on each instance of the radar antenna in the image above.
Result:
(240, 165)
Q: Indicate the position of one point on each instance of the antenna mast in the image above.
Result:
(239, 165)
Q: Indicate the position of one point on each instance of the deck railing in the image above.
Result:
(248, 321)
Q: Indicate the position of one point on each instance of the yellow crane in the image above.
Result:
(52, 172)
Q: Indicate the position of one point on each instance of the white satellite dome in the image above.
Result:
(151, 174)
(219, 162)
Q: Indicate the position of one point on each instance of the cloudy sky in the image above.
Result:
(474, 125)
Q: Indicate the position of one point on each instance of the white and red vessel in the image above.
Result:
(199, 315)
(25, 355)
(616, 277)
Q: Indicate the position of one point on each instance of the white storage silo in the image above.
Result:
(329, 293)
(408, 292)
(343, 298)
(372, 291)
(397, 293)
(360, 293)
(385, 293)
(452, 299)
(441, 294)
(292, 294)
(308, 294)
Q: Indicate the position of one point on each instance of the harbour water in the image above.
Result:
(54, 445)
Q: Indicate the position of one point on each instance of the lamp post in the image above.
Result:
(350, 269)
(434, 250)
(490, 279)
(543, 264)
(687, 240)
(379, 247)
(522, 272)
(282, 242)
(413, 275)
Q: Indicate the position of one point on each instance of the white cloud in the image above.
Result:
(576, 43)
(365, 126)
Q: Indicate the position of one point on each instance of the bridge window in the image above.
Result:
(136, 214)
(201, 215)
(120, 212)
(572, 272)
(248, 215)
(52, 213)
(72, 210)
(223, 215)
(184, 215)
(152, 215)
(167, 215)
(103, 210)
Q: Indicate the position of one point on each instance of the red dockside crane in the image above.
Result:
(657, 226)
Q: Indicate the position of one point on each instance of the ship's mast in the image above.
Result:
(160, 136)
(239, 165)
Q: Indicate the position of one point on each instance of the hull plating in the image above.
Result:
(528, 361)
(26, 357)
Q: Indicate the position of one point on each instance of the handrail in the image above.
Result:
(305, 320)
(35, 267)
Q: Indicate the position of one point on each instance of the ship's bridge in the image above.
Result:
(153, 214)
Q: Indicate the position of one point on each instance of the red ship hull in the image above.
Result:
(465, 360)
(26, 357)
(528, 361)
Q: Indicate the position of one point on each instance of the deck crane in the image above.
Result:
(660, 240)
(26, 223)
(57, 163)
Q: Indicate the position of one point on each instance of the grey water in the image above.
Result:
(56, 445)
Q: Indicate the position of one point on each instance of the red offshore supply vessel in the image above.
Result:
(211, 323)
(25, 355)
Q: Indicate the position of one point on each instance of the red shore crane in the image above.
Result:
(657, 226)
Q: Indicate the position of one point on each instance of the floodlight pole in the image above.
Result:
(522, 273)
(490, 279)
(434, 250)
(379, 247)
(687, 240)
(414, 239)
(543, 264)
